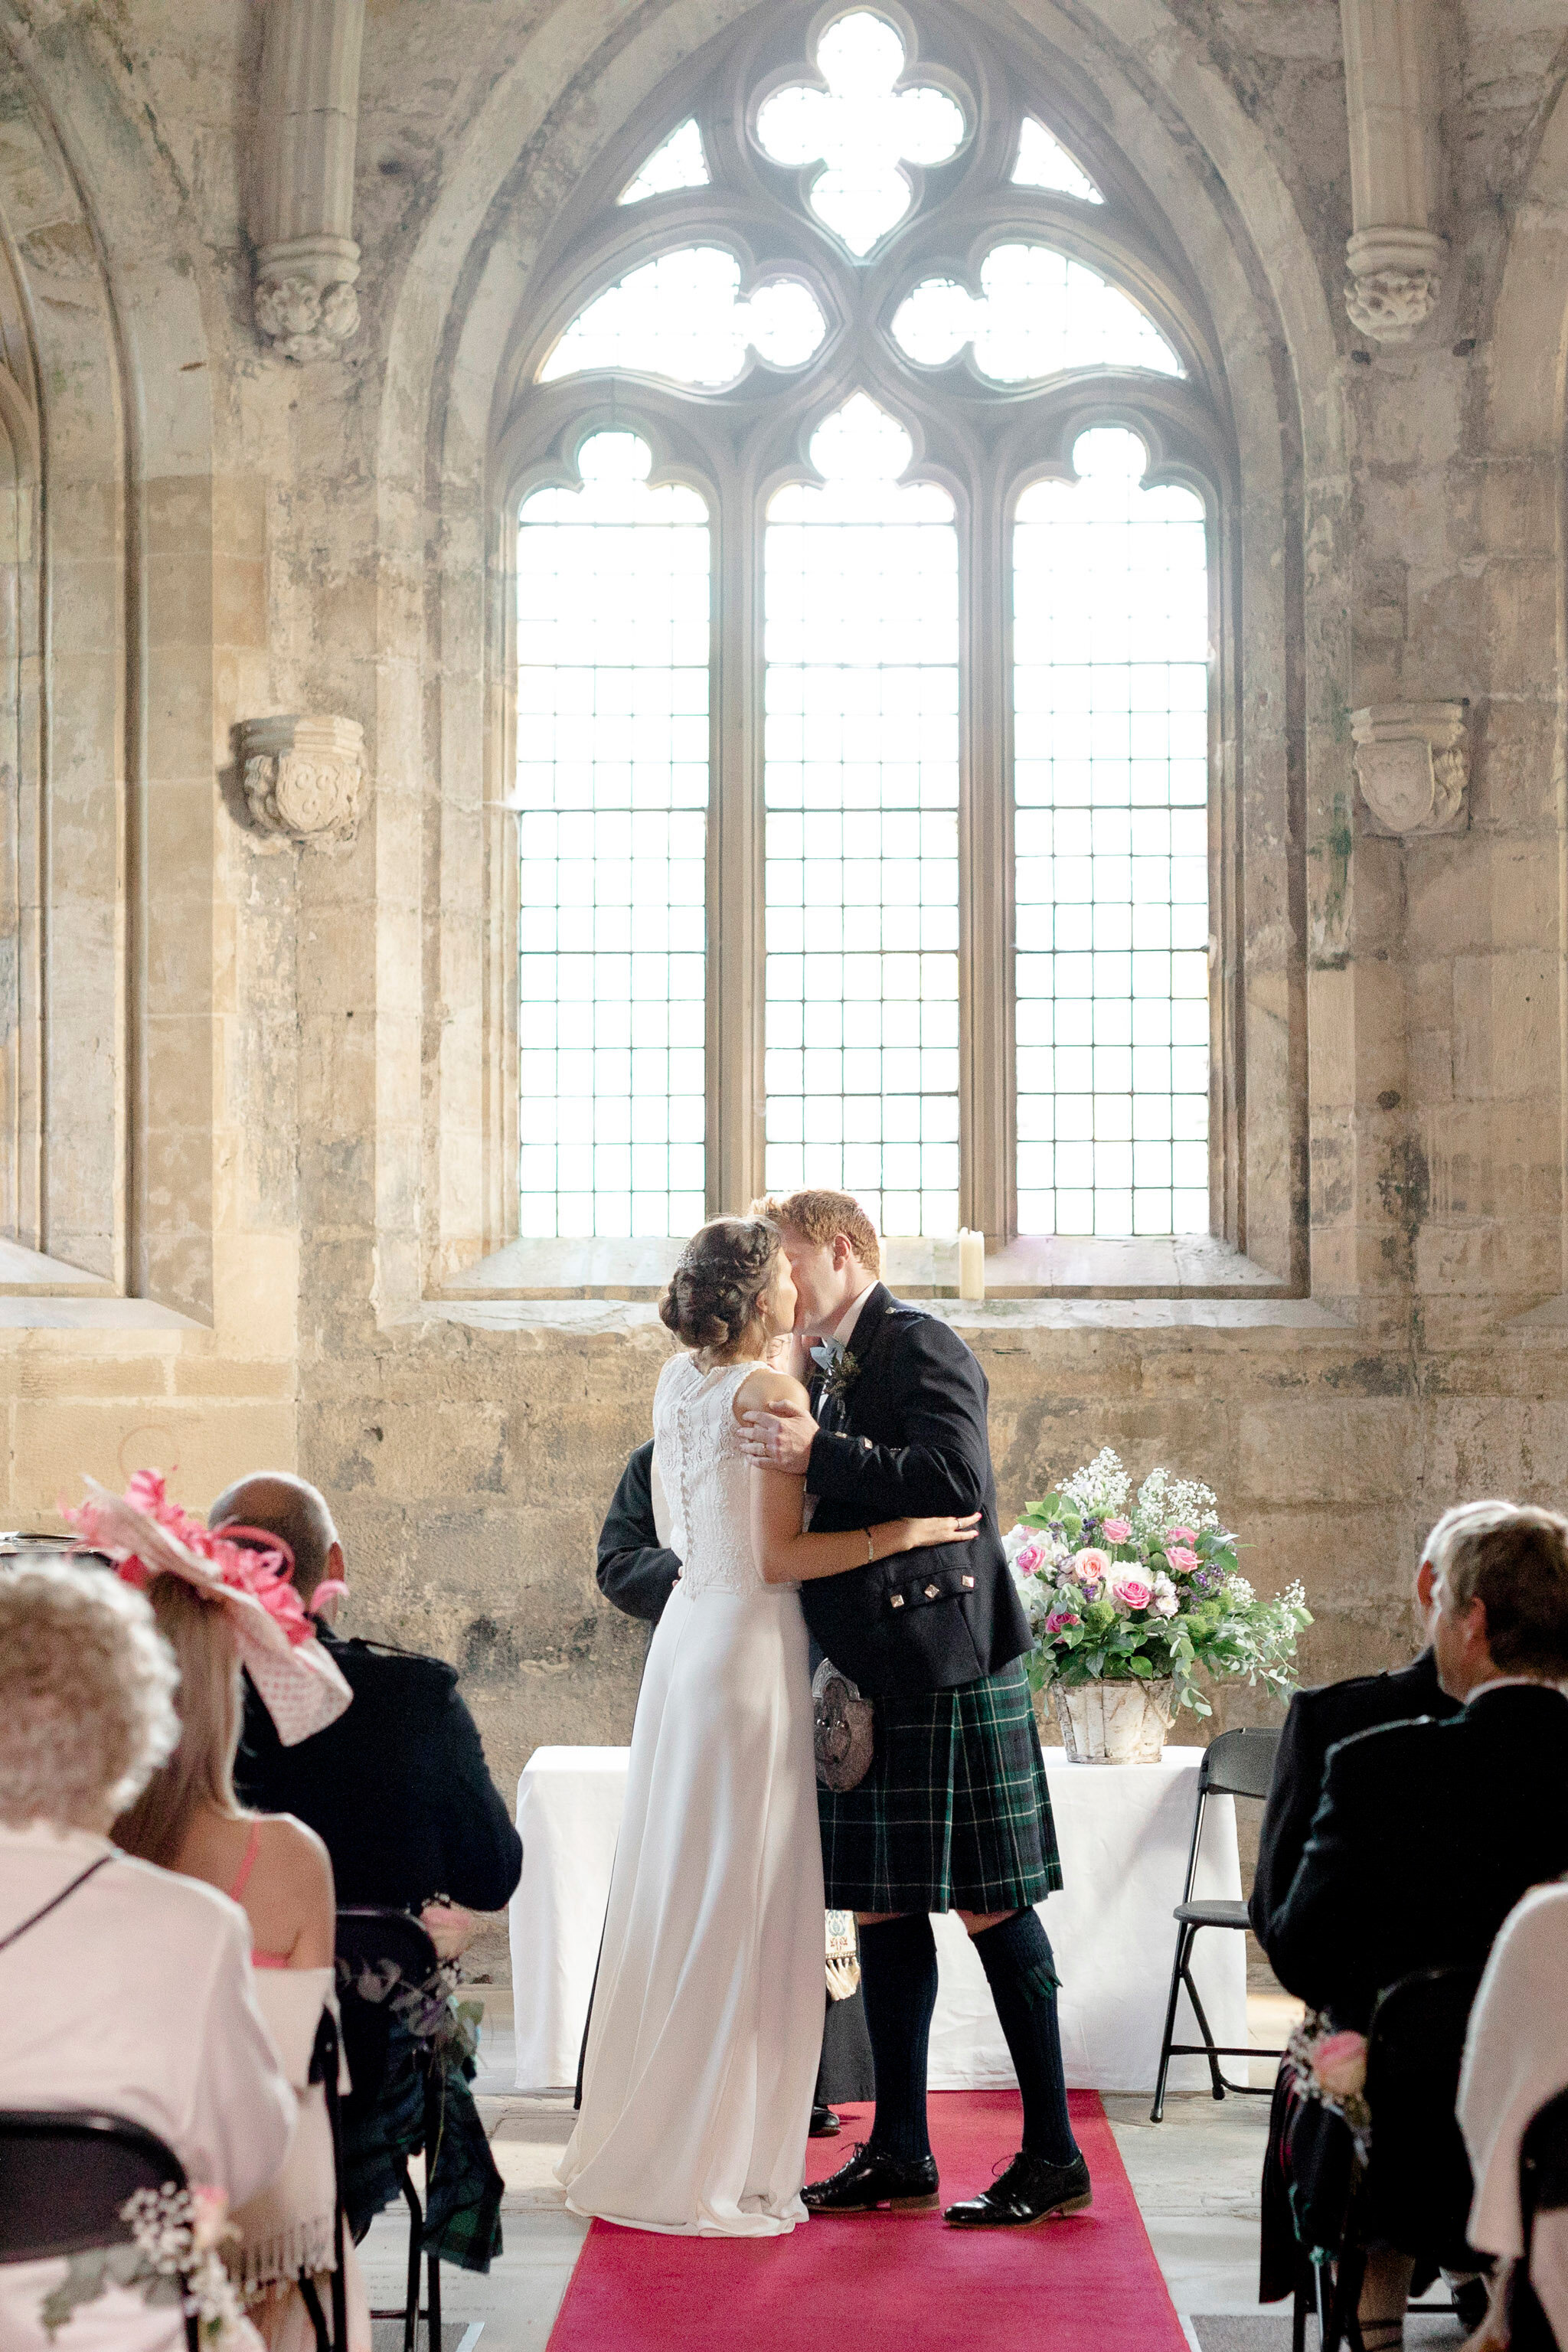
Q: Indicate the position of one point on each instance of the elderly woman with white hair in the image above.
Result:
(123, 1988)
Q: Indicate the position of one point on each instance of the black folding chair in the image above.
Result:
(64, 2177)
(368, 1938)
(325, 2070)
(1237, 1764)
(1416, 2192)
(1543, 2188)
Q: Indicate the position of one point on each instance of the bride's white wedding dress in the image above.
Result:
(707, 2021)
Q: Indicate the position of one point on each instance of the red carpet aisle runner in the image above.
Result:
(893, 2283)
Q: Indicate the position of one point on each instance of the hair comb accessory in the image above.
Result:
(145, 1536)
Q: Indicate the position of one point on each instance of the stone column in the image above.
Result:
(1396, 255)
(306, 258)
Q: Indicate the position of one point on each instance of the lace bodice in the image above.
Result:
(707, 1478)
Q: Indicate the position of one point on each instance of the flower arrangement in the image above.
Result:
(1331, 2067)
(174, 2256)
(1124, 1586)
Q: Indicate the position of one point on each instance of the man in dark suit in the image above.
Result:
(1317, 1719)
(636, 1572)
(1315, 1722)
(397, 1787)
(953, 1813)
(1427, 1833)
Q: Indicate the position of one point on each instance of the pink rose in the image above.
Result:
(1183, 1561)
(209, 2216)
(1339, 2065)
(1089, 1566)
(1132, 1592)
(449, 1926)
(1059, 1618)
(1179, 1535)
(1117, 1531)
(1031, 1559)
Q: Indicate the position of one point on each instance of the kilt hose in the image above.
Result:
(954, 1813)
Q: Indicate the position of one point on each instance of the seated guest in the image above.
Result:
(398, 1790)
(400, 1795)
(1427, 1833)
(125, 1990)
(187, 1819)
(637, 1570)
(1516, 2058)
(1317, 1719)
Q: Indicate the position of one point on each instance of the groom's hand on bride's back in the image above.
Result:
(781, 1437)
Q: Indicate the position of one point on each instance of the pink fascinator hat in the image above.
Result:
(146, 1535)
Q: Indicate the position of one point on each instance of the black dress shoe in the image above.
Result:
(1030, 2190)
(871, 2182)
(1472, 2300)
(824, 2124)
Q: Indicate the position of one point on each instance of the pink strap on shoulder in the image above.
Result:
(253, 1847)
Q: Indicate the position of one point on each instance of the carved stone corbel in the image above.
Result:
(1396, 255)
(306, 258)
(1412, 764)
(304, 777)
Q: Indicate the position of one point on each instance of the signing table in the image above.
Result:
(1124, 1830)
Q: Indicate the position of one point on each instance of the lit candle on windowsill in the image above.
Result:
(971, 1264)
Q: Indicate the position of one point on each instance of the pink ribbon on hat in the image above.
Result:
(145, 1535)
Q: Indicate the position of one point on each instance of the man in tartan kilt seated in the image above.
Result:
(954, 1813)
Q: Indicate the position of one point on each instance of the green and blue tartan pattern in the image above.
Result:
(955, 1814)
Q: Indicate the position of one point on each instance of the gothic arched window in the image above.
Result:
(866, 457)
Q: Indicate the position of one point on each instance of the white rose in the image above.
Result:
(1165, 1603)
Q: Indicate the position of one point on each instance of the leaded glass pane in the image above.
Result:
(862, 776)
(1110, 785)
(682, 317)
(612, 794)
(678, 162)
(1044, 163)
(1039, 313)
(862, 128)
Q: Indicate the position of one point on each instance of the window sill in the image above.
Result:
(581, 1318)
(45, 1294)
(1192, 1266)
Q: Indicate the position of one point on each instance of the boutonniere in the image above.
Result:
(839, 1368)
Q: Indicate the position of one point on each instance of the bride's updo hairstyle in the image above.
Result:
(716, 1293)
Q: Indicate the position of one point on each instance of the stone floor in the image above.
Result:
(1194, 2176)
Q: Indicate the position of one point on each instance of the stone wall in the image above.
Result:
(275, 1124)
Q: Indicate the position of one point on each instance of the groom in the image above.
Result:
(953, 1813)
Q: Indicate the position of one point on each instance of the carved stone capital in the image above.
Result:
(1412, 761)
(301, 211)
(1396, 275)
(304, 777)
(305, 300)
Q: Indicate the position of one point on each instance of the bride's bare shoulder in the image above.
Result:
(765, 1389)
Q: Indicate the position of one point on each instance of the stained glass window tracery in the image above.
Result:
(888, 834)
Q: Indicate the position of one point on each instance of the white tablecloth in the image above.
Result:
(1124, 1830)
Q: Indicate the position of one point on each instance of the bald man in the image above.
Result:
(397, 1788)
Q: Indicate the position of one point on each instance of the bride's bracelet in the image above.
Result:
(870, 1546)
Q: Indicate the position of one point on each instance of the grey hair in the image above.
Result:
(87, 1693)
(1456, 1525)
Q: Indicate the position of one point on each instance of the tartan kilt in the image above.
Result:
(954, 1813)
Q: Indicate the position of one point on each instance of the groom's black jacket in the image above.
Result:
(907, 1439)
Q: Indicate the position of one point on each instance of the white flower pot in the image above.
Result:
(1113, 1723)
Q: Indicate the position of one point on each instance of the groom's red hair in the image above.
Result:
(822, 1217)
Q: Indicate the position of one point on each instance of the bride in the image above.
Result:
(707, 2024)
